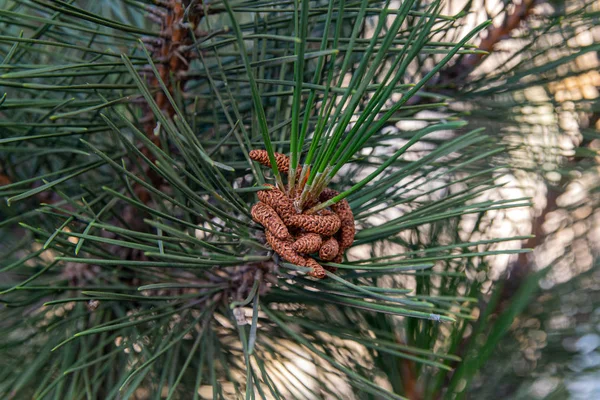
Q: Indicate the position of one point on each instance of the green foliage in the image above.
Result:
(130, 263)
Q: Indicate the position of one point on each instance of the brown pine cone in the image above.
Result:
(261, 156)
(325, 225)
(291, 234)
(343, 210)
(318, 270)
(346, 232)
(307, 243)
(329, 250)
(267, 217)
(277, 200)
(285, 250)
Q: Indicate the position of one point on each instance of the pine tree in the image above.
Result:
(255, 199)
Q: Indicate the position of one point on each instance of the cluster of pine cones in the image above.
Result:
(295, 235)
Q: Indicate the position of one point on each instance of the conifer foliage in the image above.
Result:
(240, 199)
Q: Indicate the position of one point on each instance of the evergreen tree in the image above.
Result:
(257, 199)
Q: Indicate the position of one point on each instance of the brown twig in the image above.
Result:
(172, 63)
(493, 35)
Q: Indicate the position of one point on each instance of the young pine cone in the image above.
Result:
(279, 202)
(307, 243)
(293, 235)
(285, 250)
(329, 250)
(344, 212)
(325, 225)
(262, 157)
(267, 217)
(317, 270)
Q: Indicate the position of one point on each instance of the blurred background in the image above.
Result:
(551, 118)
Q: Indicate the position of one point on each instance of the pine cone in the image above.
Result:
(307, 243)
(267, 217)
(329, 250)
(325, 225)
(285, 250)
(277, 200)
(262, 157)
(318, 271)
(344, 212)
(292, 235)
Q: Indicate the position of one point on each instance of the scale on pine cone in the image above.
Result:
(295, 235)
